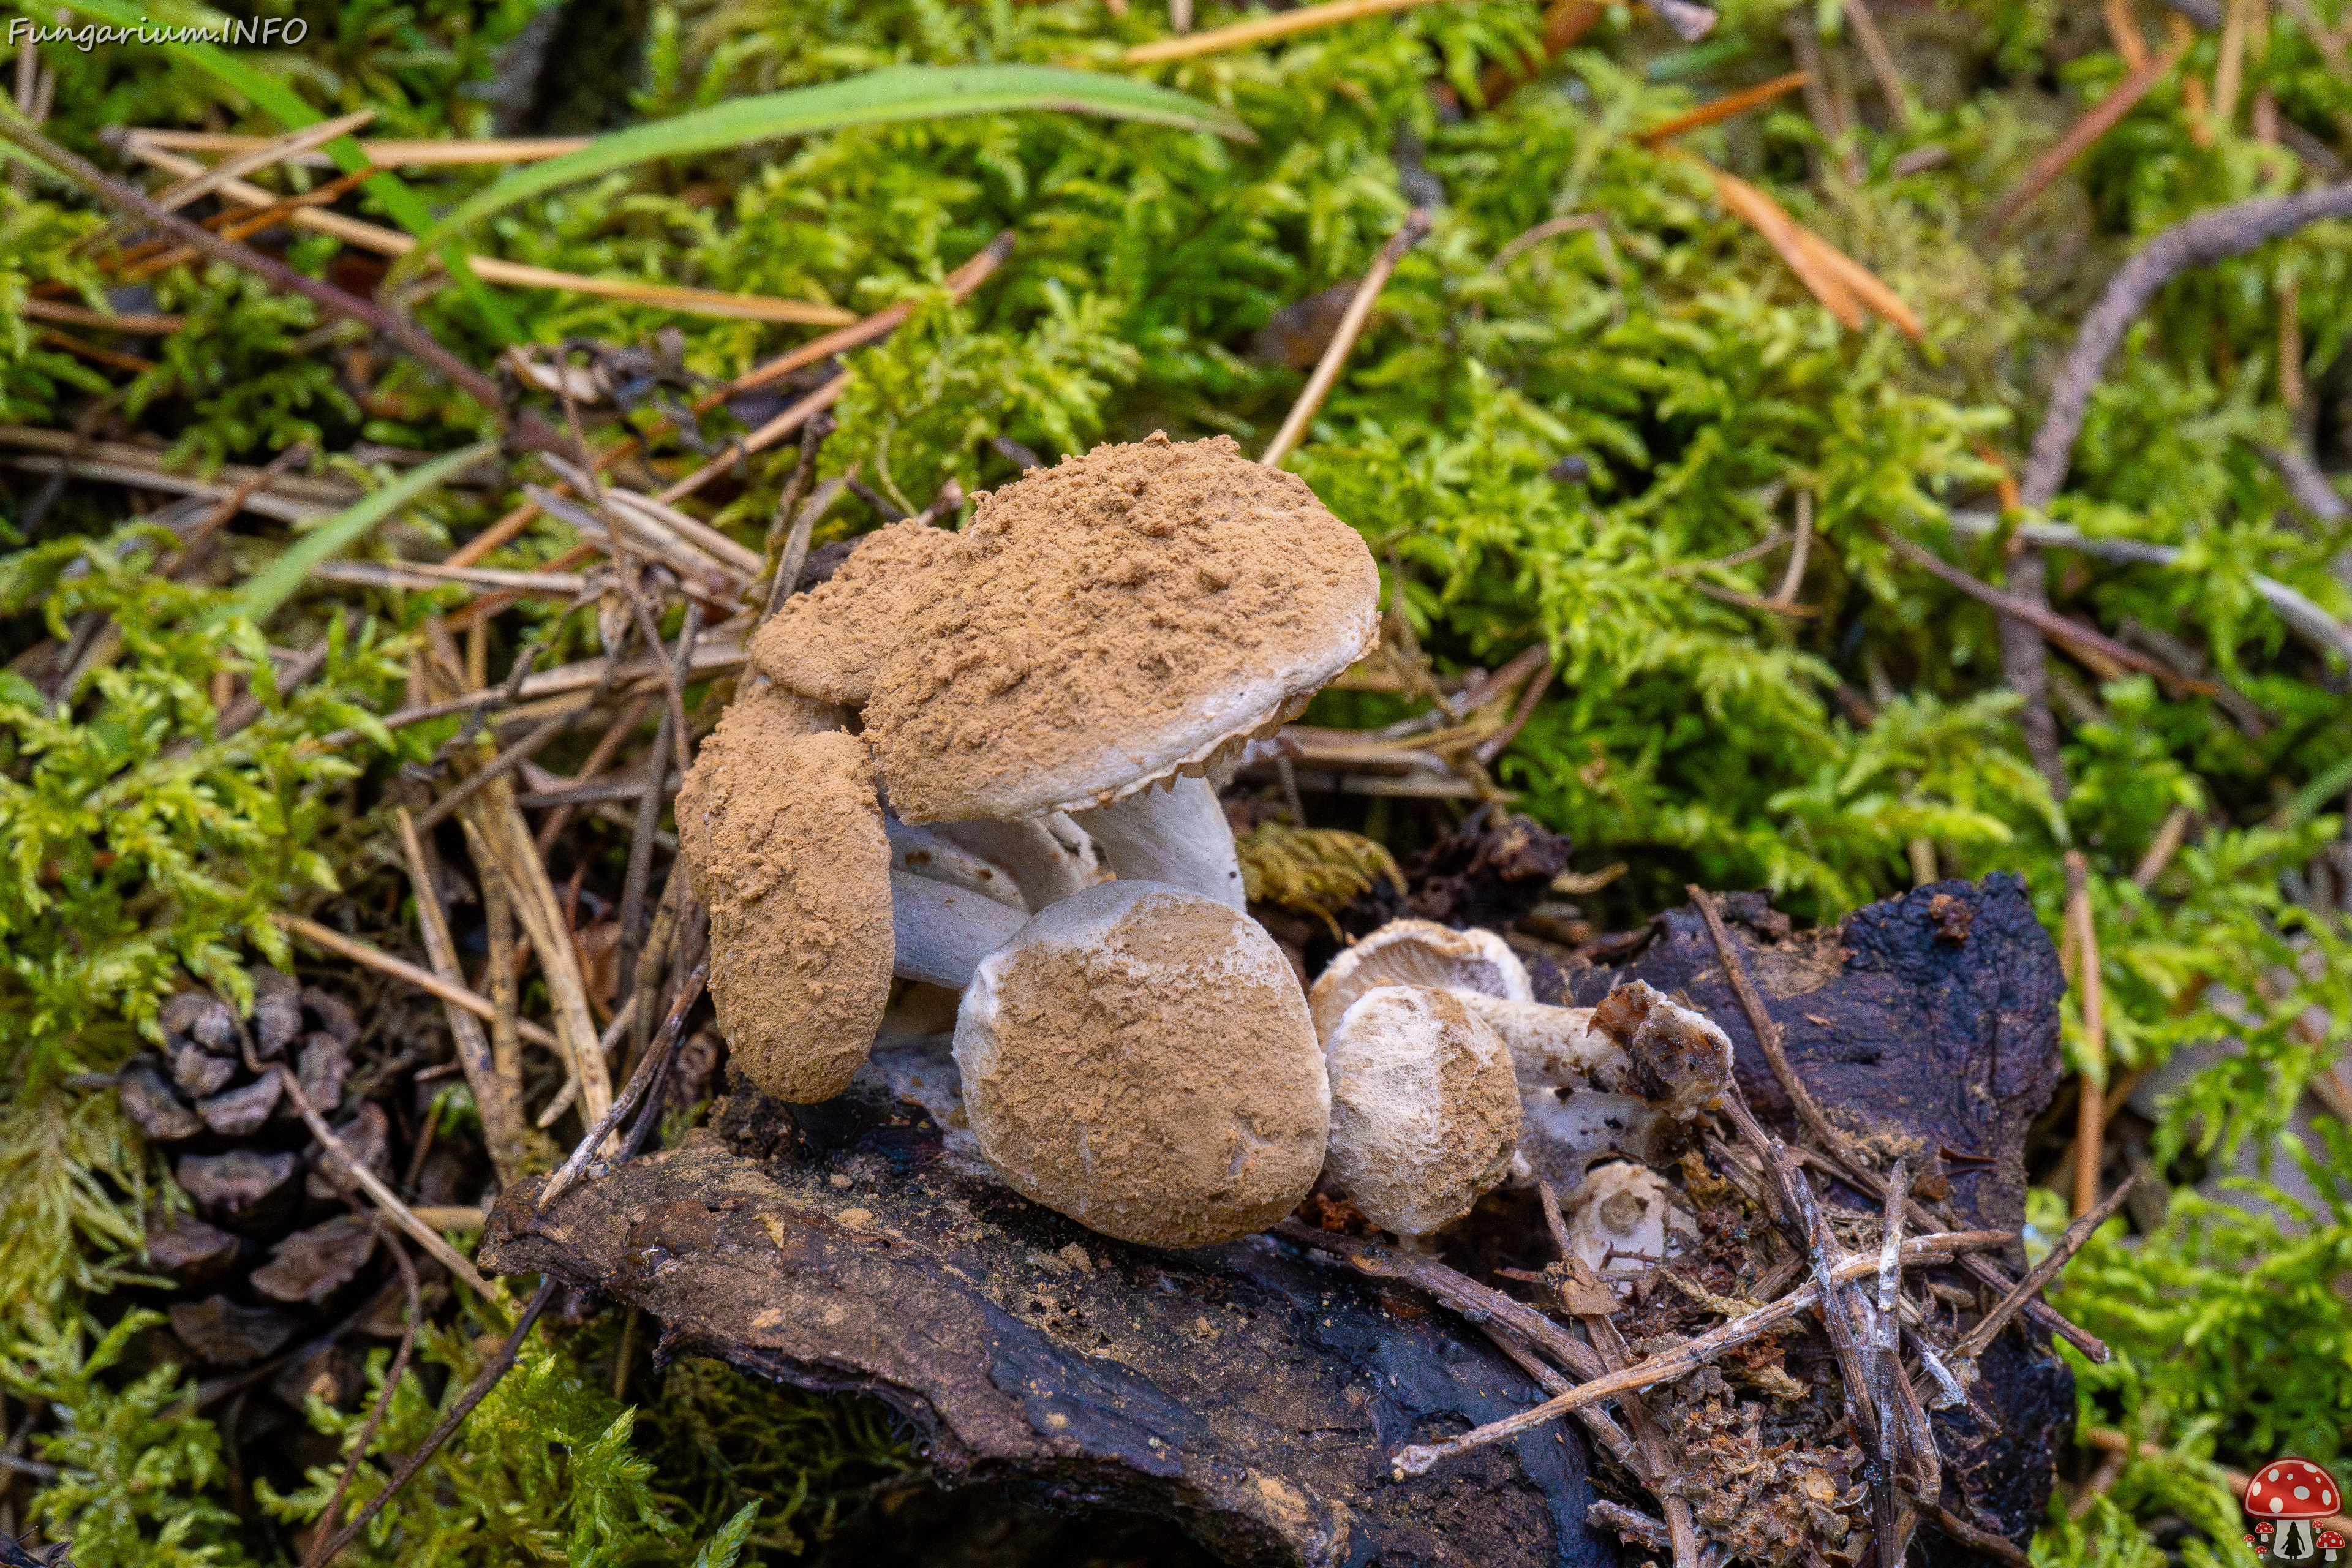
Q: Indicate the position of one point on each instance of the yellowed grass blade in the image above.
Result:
(1788, 236)
(1264, 29)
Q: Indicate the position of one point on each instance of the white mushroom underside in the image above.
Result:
(928, 853)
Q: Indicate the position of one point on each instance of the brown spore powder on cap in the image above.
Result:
(783, 831)
(830, 641)
(1111, 619)
(1156, 1080)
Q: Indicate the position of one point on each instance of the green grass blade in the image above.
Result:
(275, 584)
(286, 106)
(894, 94)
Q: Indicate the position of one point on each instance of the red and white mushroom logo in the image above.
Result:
(2296, 1493)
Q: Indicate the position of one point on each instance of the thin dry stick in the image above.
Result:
(787, 536)
(2162, 848)
(271, 153)
(1682, 1525)
(653, 959)
(1264, 29)
(1846, 1165)
(1967, 1534)
(615, 735)
(648, 1070)
(1691, 1356)
(2090, 1120)
(544, 735)
(391, 1374)
(497, 1097)
(2044, 620)
(474, 1393)
(441, 1252)
(391, 324)
(233, 503)
(1343, 342)
(625, 567)
(638, 878)
(1725, 108)
(2096, 122)
(1850, 1341)
(500, 830)
(501, 979)
(1882, 62)
(2209, 237)
(1765, 1028)
(1973, 1344)
(247, 224)
(382, 962)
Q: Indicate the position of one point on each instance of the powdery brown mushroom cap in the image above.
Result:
(1138, 1057)
(1424, 1112)
(830, 641)
(1418, 952)
(1116, 620)
(783, 831)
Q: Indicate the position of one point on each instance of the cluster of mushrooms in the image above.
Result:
(979, 760)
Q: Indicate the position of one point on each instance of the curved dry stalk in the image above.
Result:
(375, 1418)
(1418, 1458)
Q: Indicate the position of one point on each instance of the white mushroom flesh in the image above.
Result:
(942, 933)
(1619, 1219)
(1425, 1115)
(1551, 1047)
(1175, 834)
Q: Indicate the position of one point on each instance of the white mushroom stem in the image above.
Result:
(1551, 1047)
(942, 933)
(1174, 834)
(1047, 869)
(931, 854)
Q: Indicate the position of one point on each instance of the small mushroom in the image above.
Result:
(1114, 624)
(1139, 1058)
(1622, 1214)
(1682, 1062)
(2331, 1544)
(784, 833)
(1424, 1112)
(1551, 1047)
(828, 642)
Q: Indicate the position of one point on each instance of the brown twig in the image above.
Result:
(386, 1200)
(1973, 1344)
(392, 325)
(2209, 237)
(1844, 1163)
(2044, 620)
(615, 735)
(1726, 107)
(656, 1060)
(2096, 122)
(1767, 1030)
(2090, 1120)
(1684, 1358)
(1882, 62)
(788, 535)
(475, 1392)
(392, 1375)
(624, 568)
(497, 1095)
(1343, 340)
(545, 734)
(639, 875)
(2162, 848)
(232, 503)
(1967, 1534)
(382, 962)
(1850, 1341)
